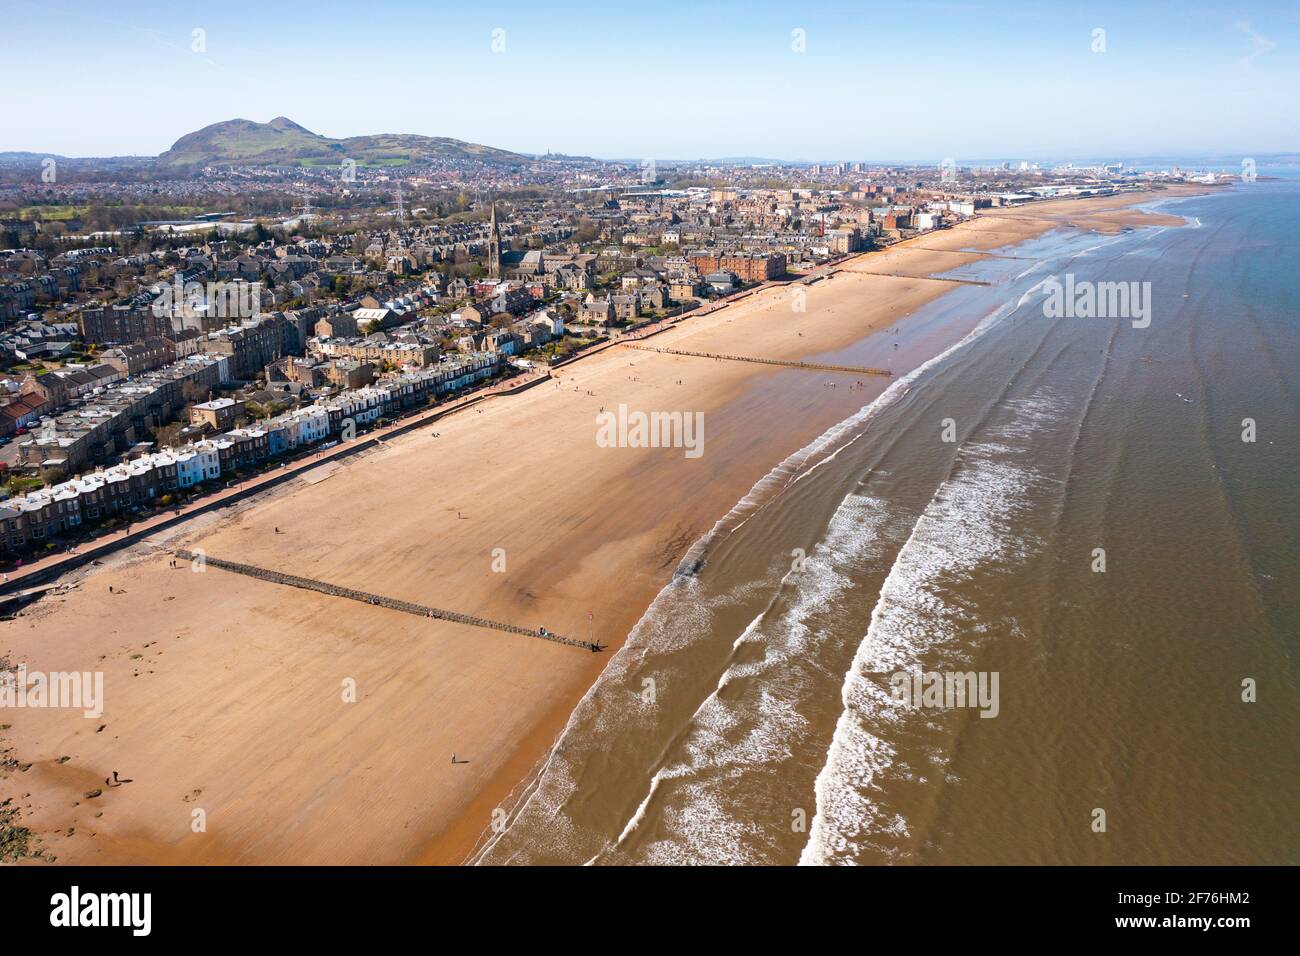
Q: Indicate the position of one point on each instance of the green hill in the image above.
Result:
(282, 142)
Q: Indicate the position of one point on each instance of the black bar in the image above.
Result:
(982, 906)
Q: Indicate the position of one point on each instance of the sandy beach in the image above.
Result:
(232, 696)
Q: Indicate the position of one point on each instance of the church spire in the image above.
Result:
(494, 246)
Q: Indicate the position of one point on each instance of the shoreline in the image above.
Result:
(583, 529)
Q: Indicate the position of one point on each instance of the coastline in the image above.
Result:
(582, 529)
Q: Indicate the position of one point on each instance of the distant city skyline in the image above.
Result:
(837, 81)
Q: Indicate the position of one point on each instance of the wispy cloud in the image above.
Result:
(1259, 45)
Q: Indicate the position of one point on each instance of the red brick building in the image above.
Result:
(748, 266)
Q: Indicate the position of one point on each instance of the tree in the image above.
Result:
(168, 435)
(192, 392)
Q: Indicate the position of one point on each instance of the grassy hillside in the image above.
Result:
(282, 142)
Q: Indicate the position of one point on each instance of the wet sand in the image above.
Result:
(225, 694)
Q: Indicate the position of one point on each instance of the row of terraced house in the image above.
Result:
(28, 520)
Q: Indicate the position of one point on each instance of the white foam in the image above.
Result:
(678, 616)
(965, 526)
(728, 738)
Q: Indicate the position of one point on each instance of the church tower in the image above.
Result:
(494, 247)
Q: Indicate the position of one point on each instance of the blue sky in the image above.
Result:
(666, 79)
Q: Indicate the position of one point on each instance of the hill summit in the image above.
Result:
(282, 142)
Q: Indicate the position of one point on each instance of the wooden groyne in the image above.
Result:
(378, 600)
(816, 366)
(901, 275)
(976, 252)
